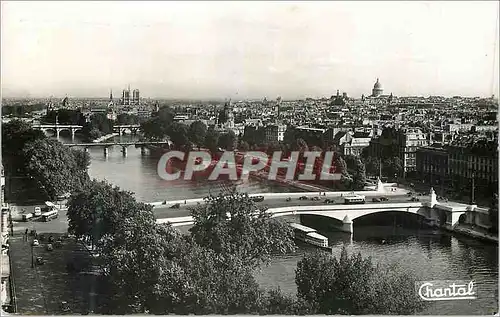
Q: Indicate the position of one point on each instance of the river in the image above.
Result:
(432, 255)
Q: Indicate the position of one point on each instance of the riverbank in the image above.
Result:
(475, 232)
(284, 182)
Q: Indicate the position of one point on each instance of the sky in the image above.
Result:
(243, 50)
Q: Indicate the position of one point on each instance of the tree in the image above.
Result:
(127, 119)
(15, 135)
(290, 136)
(154, 129)
(359, 178)
(197, 132)
(372, 166)
(493, 213)
(178, 134)
(212, 140)
(227, 140)
(231, 224)
(153, 268)
(353, 285)
(165, 115)
(341, 166)
(102, 123)
(138, 262)
(56, 169)
(99, 209)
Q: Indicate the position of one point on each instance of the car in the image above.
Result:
(303, 198)
(176, 206)
(375, 200)
(50, 247)
(384, 199)
(258, 199)
(329, 201)
(315, 198)
(414, 199)
(288, 199)
(35, 243)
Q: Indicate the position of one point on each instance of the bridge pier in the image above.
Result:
(86, 149)
(73, 134)
(57, 133)
(347, 225)
(124, 151)
(106, 151)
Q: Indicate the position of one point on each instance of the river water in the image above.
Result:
(432, 255)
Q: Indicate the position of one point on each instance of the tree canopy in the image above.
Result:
(197, 132)
(232, 224)
(354, 285)
(15, 135)
(99, 208)
(56, 169)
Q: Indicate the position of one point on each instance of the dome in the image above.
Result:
(377, 85)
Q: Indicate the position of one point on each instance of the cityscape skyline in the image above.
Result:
(249, 51)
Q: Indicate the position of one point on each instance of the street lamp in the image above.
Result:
(32, 257)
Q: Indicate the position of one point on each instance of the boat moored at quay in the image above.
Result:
(310, 236)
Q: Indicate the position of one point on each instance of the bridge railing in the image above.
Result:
(285, 195)
(276, 212)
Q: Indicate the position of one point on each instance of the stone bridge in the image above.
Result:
(57, 128)
(436, 213)
(124, 145)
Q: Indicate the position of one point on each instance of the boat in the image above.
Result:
(310, 236)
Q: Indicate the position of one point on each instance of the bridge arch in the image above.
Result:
(344, 218)
(392, 217)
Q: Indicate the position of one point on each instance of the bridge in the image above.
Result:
(124, 145)
(443, 214)
(72, 128)
(57, 128)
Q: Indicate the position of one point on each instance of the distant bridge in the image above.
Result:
(124, 145)
(57, 128)
(436, 213)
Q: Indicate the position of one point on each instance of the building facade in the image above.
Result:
(409, 140)
(275, 132)
(432, 165)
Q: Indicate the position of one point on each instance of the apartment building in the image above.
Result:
(455, 165)
(408, 141)
(275, 132)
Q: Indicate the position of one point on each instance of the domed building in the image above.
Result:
(377, 89)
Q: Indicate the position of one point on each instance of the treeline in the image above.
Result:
(21, 110)
(43, 164)
(162, 125)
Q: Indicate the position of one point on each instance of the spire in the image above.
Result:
(111, 94)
